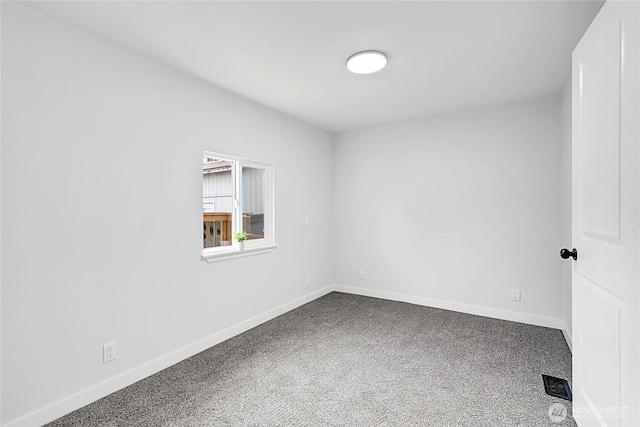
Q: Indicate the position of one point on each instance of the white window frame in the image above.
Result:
(251, 247)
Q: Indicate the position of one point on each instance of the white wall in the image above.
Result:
(0, 222)
(472, 209)
(565, 183)
(99, 246)
(450, 211)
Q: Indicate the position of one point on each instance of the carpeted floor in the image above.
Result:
(346, 360)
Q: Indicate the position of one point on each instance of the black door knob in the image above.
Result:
(566, 253)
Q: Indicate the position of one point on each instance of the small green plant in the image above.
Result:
(240, 236)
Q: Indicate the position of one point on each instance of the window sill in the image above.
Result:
(232, 254)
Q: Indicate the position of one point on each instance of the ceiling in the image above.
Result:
(444, 56)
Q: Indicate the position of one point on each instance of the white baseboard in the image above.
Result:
(531, 319)
(567, 335)
(98, 391)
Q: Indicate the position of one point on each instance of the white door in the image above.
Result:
(606, 190)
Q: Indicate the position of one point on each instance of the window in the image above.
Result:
(237, 195)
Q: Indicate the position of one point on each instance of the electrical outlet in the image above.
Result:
(307, 219)
(361, 274)
(308, 282)
(109, 352)
(515, 295)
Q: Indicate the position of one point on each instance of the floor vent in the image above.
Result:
(556, 387)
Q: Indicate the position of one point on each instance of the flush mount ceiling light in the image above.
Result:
(367, 62)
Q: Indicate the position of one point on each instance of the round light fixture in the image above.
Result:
(367, 62)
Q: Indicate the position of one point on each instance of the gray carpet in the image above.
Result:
(346, 360)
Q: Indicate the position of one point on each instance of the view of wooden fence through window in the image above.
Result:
(217, 229)
(218, 202)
